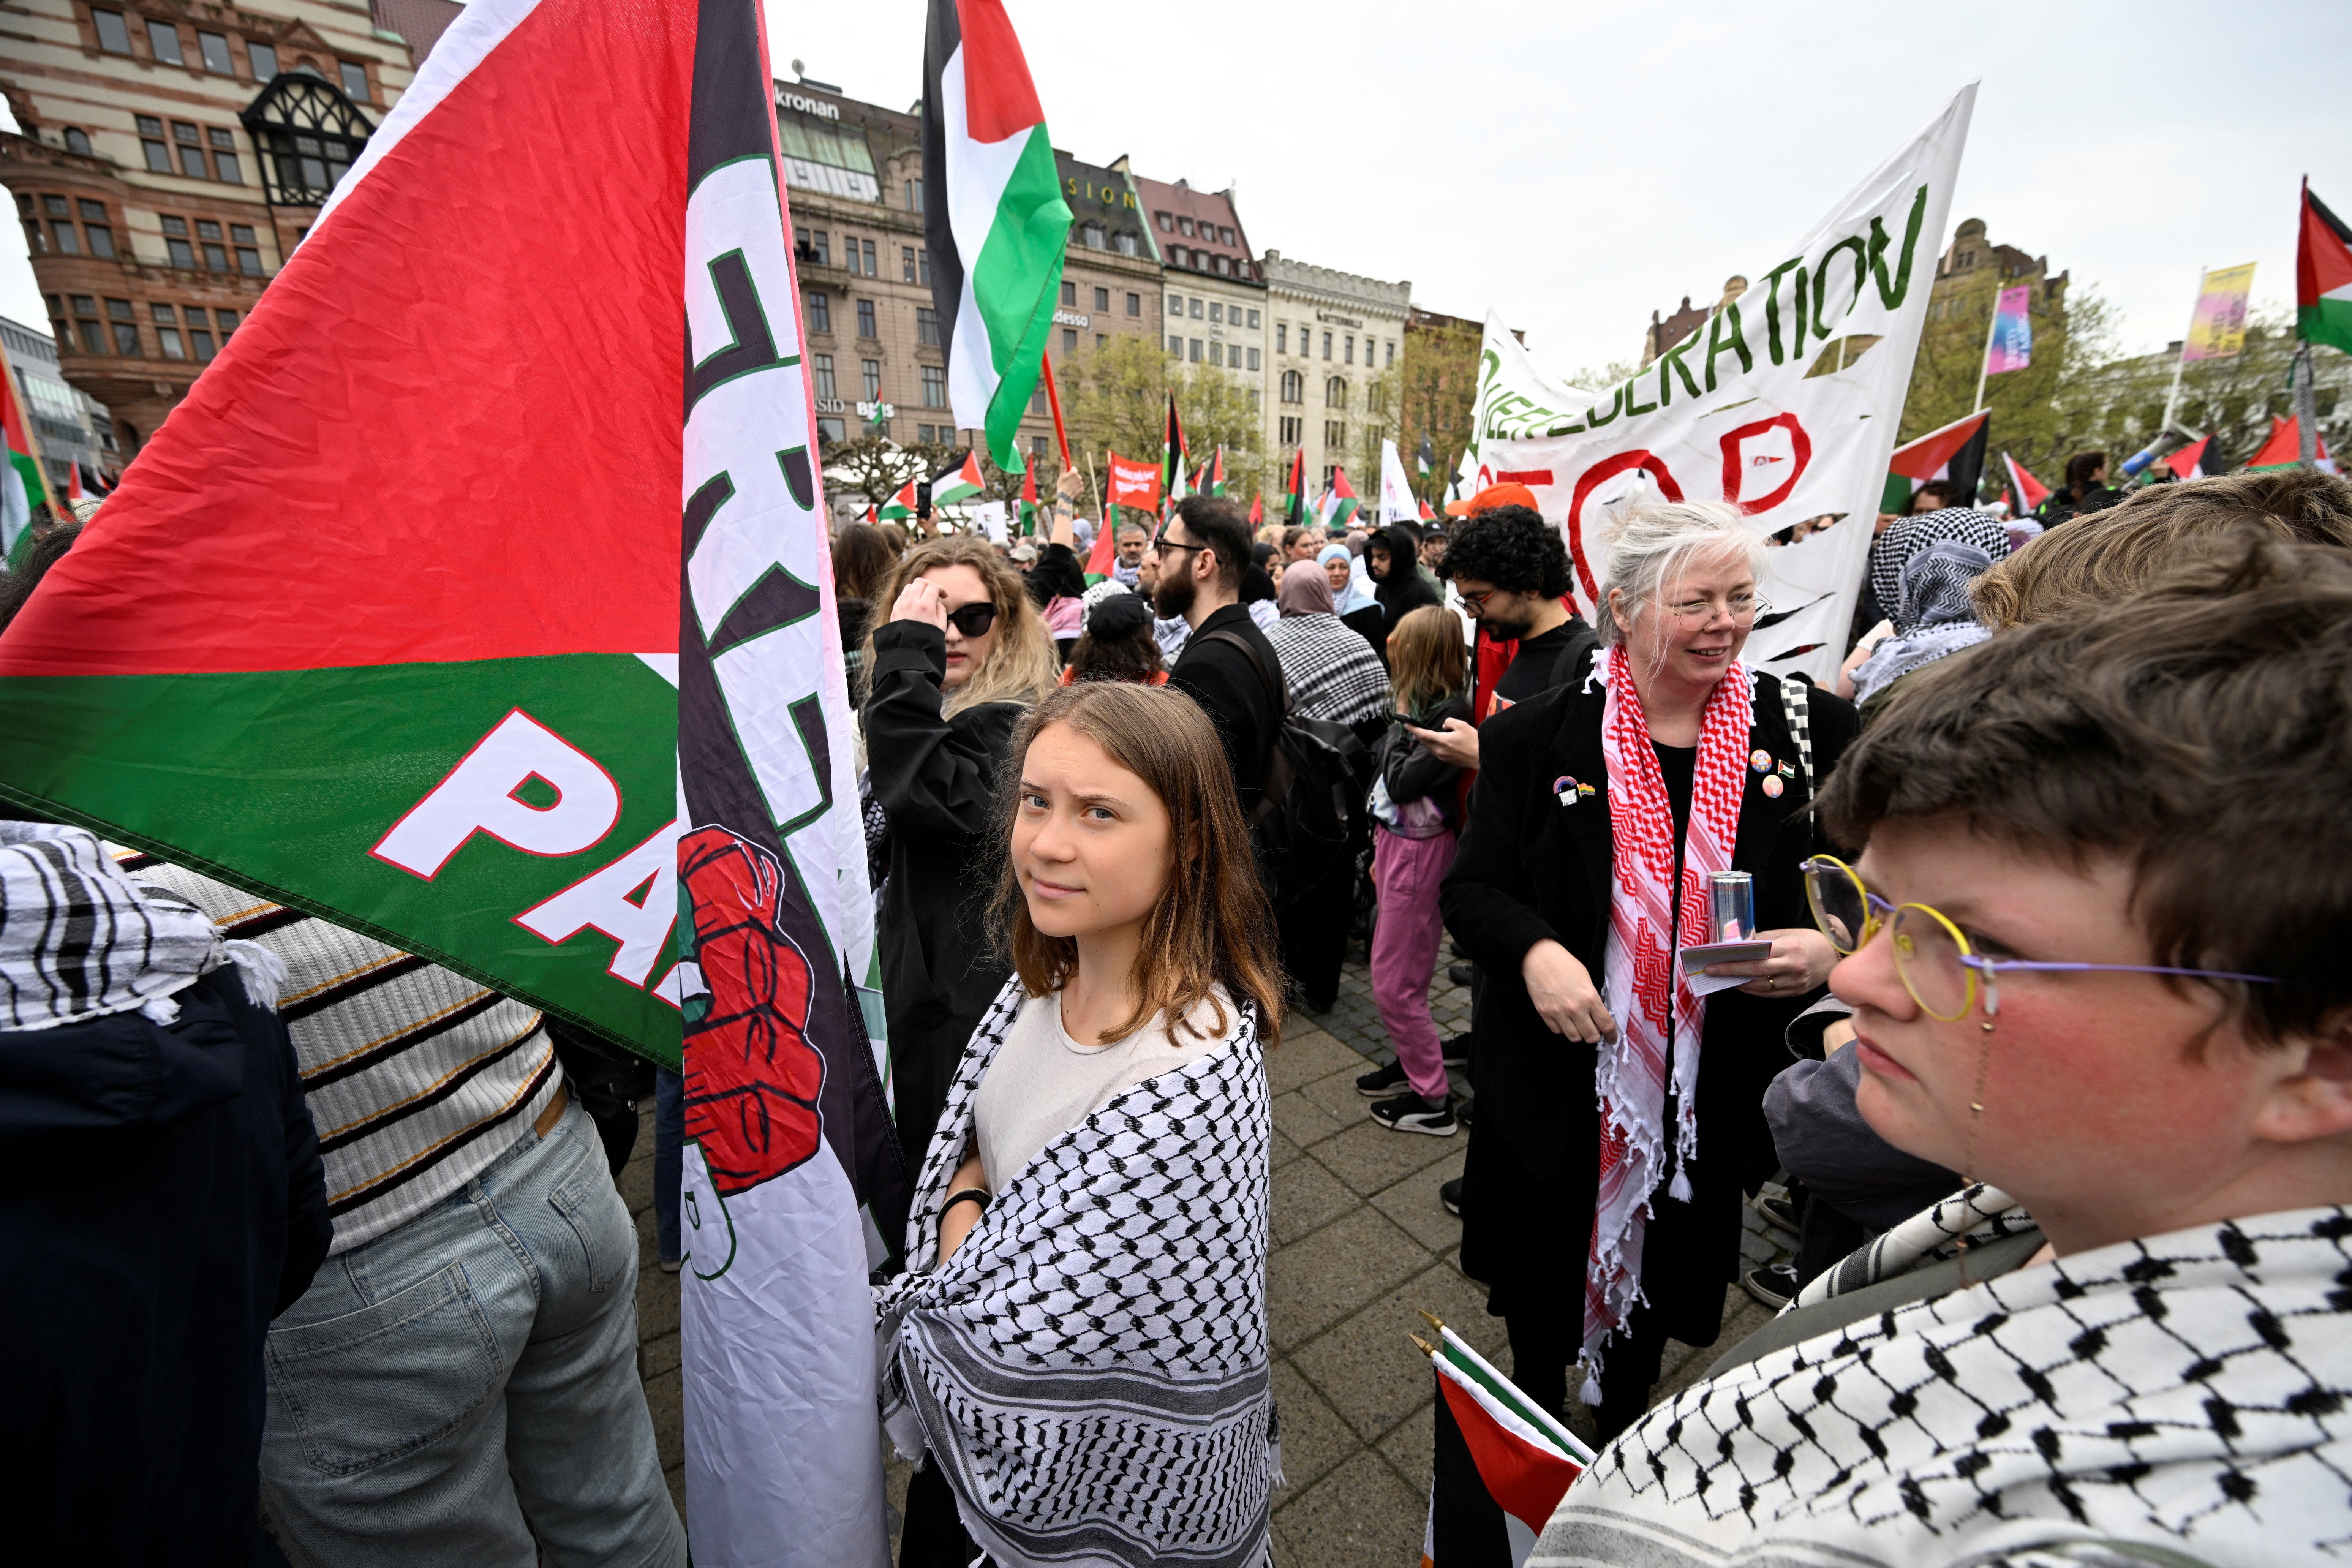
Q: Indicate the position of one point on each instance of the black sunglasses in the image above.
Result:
(975, 619)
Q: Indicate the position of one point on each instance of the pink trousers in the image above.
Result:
(1407, 872)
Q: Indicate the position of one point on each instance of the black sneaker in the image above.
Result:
(1456, 1049)
(1410, 1113)
(1450, 1196)
(1780, 1214)
(1458, 973)
(1383, 1082)
(1462, 1109)
(1774, 1285)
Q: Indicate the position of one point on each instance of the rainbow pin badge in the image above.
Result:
(1568, 791)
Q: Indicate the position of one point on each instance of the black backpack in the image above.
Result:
(1312, 803)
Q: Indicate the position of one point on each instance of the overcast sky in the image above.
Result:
(1577, 167)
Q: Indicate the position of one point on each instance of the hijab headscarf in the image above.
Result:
(1306, 593)
(1908, 536)
(1360, 586)
(1401, 589)
(1933, 615)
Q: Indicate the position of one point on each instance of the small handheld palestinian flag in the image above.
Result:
(1954, 454)
(993, 215)
(2322, 276)
(1258, 509)
(1499, 1464)
(1294, 513)
(961, 482)
(2025, 492)
(2285, 447)
(1029, 500)
(1339, 502)
(1172, 455)
(900, 505)
(1213, 478)
(2190, 461)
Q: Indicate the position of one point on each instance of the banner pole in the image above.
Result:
(1984, 360)
(1053, 401)
(2172, 397)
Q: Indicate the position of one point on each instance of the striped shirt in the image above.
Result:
(418, 1077)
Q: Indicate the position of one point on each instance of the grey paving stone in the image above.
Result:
(655, 1356)
(657, 1302)
(1410, 1443)
(666, 1400)
(1313, 1437)
(1283, 1150)
(1371, 1158)
(1302, 1120)
(1367, 1365)
(1361, 1513)
(1413, 1202)
(1307, 1198)
(1312, 1284)
(1336, 1092)
(1305, 1055)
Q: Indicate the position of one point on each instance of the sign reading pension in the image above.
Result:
(1784, 403)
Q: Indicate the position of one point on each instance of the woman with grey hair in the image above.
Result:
(1620, 1098)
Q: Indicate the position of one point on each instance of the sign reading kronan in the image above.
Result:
(1785, 404)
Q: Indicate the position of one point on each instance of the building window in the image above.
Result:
(1293, 429)
(213, 47)
(1069, 340)
(94, 223)
(163, 40)
(1102, 299)
(1176, 346)
(823, 366)
(112, 35)
(1224, 234)
(819, 312)
(208, 237)
(1282, 338)
(1216, 353)
(1224, 266)
(1194, 308)
(175, 242)
(200, 341)
(1392, 364)
(1184, 227)
(77, 140)
(1037, 399)
(1252, 320)
(922, 267)
(1167, 224)
(1093, 235)
(192, 149)
(1134, 304)
(820, 249)
(167, 331)
(1102, 340)
(1335, 437)
(1127, 245)
(1335, 392)
(1175, 304)
(927, 434)
(249, 258)
(227, 319)
(871, 271)
(264, 58)
(1176, 254)
(872, 369)
(1195, 354)
(934, 387)
(829, 431)
(866, 319)
(151, 140)
(906, 264)
(354, 81)
(1327, 345)
(1253, 359)
(1037, 445)
(1069, 294)
(93, 336)
(225, 155)
(126, 328)
(926, 325)
(1294, 387)
(1216, 313)
(67, 245)
(1351, 351)
(308, 135)
(912, 199)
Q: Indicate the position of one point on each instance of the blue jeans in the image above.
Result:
(669, 1160)
(464, 1391)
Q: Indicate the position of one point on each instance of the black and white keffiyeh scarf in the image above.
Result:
(1977, 1213)
(1091, 1368)
(2180, 1399)
(79, 939)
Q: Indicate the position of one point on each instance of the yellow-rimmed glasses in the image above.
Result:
(1932, 957)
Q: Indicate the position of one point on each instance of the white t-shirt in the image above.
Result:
(1043, 1082)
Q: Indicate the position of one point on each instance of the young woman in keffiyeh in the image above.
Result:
(1079, 1345)
(2096, 939)
(1621, 1111)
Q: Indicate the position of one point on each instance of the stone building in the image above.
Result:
(1335, 337)
(1216, 292)
(1973, 264)
(66, 425)
(171, 157)
(1111, 280)
(1665, 333)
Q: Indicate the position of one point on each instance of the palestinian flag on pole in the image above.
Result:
(1212, 477)
(2323, 276)
(1172, 454)
(900, 505)
(21, 489)
(2285, 447)
(600, 756)
(1339, 502)
(1954, 454)
(1029, 502)
(958, 483)
(1295, 511)
(2025, 492)
(1500, 1464)
(2189, 462)
(993, 215)
(1258, 509)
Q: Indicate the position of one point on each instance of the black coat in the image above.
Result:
(1235, 696)
(161, 1199)
(936, 779)
(1529, 869)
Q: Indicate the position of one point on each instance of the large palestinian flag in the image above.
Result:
(2284, 447)
(2322, 276)
(511, 644)
(993, 215)
(1954, 454)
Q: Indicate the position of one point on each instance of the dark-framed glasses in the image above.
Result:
(975, 619)
(1932, 956)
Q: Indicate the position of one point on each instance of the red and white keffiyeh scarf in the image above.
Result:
(1641, 983)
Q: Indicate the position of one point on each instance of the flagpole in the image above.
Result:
(1984, 360)
(1053, 401)
(2172, 398)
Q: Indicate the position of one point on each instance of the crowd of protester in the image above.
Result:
(2067, 1154)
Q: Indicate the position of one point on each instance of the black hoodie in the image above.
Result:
(1401, 589)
